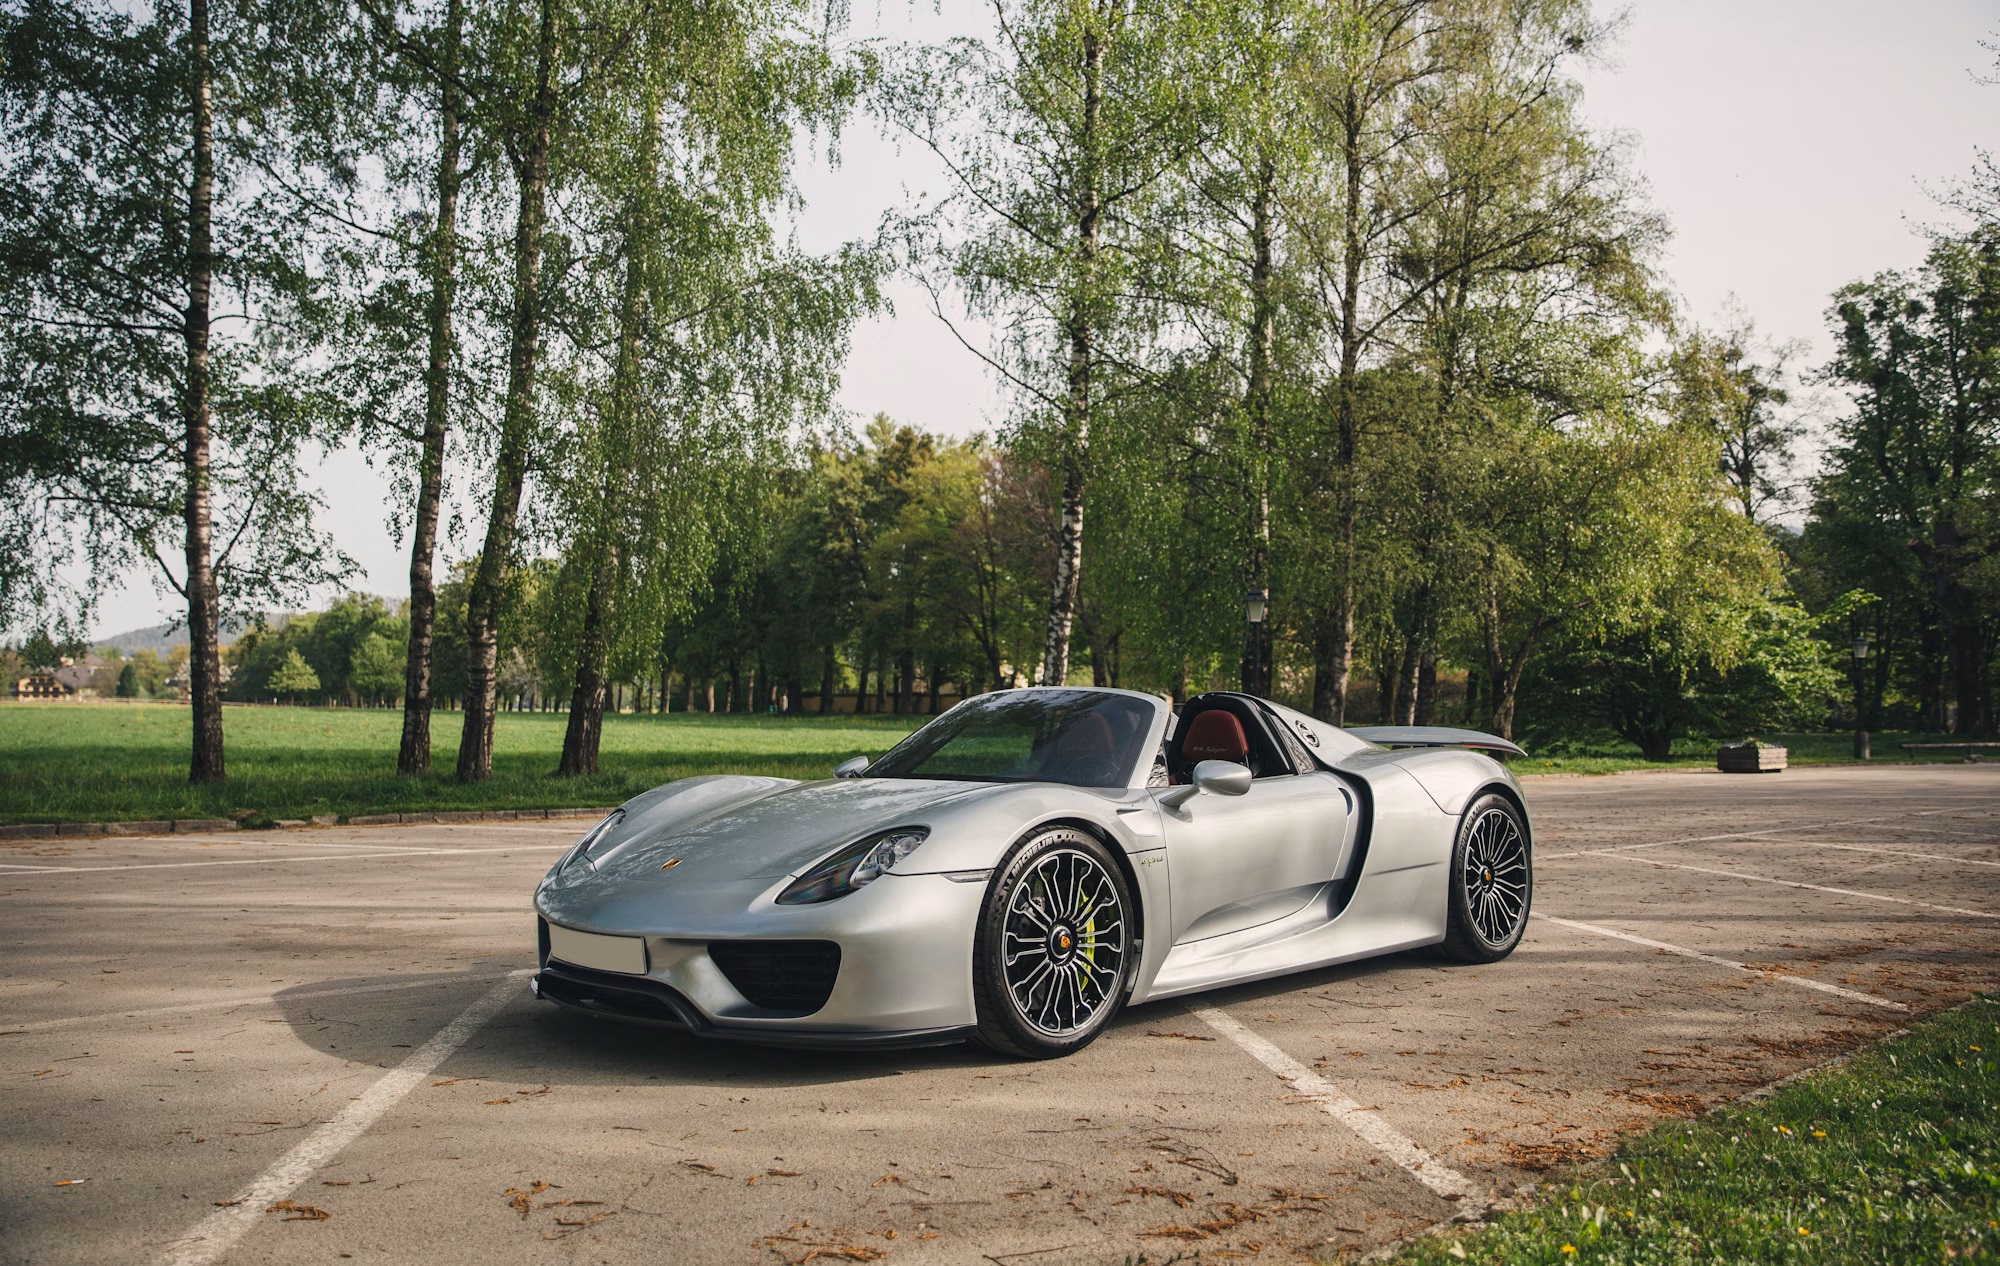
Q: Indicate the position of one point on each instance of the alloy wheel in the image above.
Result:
(1496, 877)
(1065, 942)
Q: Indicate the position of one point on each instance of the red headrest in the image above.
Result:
(1088, 735)
(1215, 735)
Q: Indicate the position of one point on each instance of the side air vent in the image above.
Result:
(793, 976)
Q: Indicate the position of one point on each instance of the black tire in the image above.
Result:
(1056, 910)
(1492, 882)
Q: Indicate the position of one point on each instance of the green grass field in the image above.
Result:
(1611, 756)
(1891, 1157)
(93, 762)
(109, 762)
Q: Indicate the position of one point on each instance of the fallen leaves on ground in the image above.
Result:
(1667, 1104)
(523, 1200)
(296, 1212)
(1181, 1198)
(843, 1253)
(1185, 1037)
(1540, 1158)
(1227, 1215)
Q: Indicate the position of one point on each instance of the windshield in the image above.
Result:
(1085, 738)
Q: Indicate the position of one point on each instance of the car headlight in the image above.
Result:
(580, 852)
(856, 866)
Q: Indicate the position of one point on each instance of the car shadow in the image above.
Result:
(381, 1021)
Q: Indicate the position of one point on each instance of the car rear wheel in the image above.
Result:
(1052, 957)
(1492, 882)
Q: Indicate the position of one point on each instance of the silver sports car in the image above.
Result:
(1031, 861)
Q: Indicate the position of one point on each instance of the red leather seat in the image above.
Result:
(1089, 737)
(1215, 735)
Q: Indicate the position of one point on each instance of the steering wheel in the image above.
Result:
(1092, 771)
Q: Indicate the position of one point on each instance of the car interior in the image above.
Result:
(1223, 727)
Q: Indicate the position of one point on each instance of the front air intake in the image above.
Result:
(790, 976)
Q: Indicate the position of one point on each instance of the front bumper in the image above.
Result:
(643, 1000)
(904, 976)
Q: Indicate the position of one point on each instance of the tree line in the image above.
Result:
(1331, 310)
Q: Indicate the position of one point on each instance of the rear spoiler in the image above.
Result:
(1434, 736)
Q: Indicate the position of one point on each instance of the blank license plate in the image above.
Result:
(605, 953)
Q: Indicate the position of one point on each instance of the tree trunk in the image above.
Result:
(1080, 332)
(482, 620)
(1405, 710)
(619, 422)
(828, 667)
(1389, 685)
(204, 637)
(586, 703)
(1323, 671)
(1340, 657)
(414, 757)
(1256, 674)
(1427, 689)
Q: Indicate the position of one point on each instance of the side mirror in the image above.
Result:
(1217, 777)
(850, 768)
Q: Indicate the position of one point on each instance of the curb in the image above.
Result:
(208, 826)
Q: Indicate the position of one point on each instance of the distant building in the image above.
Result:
(44, 685)
(69, 680)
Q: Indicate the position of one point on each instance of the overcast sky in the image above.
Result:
(1793, 145)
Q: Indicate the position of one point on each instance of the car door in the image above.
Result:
(1234, 862)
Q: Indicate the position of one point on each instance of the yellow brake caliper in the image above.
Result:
(1088, 912)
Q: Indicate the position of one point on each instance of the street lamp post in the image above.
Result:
(1860, 699)
(1256, 605)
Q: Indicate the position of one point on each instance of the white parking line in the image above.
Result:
(1746, 835)
(1792, 883)
(1424, 1167)
(221, 1229)
(24, 872)
(1684, 952)
(1862, 848)
(230, 1004)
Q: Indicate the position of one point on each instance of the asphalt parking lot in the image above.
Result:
(319, 1046)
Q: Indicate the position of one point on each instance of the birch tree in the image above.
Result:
(154, 408)
(723, 344)
(1056, 134)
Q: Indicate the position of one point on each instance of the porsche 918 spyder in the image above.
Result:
(1030, 861)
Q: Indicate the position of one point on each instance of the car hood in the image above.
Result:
(726, 829)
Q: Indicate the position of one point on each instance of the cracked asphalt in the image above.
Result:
(187, 1019)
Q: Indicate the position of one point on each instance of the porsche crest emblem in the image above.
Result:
(670, 863)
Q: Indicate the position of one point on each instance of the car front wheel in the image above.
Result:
(1052, 957)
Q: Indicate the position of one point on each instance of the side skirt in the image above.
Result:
(1383, 918)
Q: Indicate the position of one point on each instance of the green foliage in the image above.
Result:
(352, 650)
(375, 672)
(96, 160)
(293, 676)
(128, 682)
(1890, 1157)
(1903, 507)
